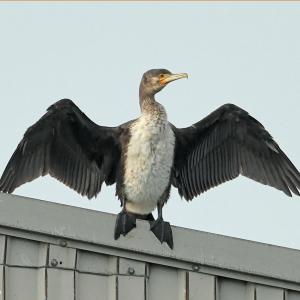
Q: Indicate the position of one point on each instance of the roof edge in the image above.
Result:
(191, 246)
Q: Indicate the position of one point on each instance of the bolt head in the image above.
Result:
(54, 262)
(63, 243)
(196, 268)
(130, 271)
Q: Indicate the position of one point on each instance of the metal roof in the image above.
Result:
(59, 252)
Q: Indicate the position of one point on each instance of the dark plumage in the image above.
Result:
(66, 144)
(70, 147)
(225, 144)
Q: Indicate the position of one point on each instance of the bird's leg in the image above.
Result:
(125, 222)
(161, 229)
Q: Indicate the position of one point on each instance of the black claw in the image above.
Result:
(148, 217)
(125, 222)
(162, 230)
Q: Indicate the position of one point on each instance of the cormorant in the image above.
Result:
(145, 156)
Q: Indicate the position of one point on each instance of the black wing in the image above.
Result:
(226, 143)
(66, 144)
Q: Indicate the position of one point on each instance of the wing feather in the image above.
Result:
(66, 144)
(225, 144)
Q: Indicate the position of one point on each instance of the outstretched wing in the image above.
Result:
(226, 143)
(66, 144)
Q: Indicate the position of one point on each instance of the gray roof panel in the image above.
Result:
(53, 251)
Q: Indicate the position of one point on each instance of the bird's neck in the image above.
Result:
(150, 107)
(147, 103)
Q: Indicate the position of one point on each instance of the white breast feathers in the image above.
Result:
(148, 163)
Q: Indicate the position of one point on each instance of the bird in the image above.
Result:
(144, 157)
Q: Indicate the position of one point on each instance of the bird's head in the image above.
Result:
(155, 80)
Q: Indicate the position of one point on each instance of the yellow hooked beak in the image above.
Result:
(166, 78)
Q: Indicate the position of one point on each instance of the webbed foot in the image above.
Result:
(162, 230)
(125, 222)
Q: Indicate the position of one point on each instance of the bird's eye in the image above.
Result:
(161, 76)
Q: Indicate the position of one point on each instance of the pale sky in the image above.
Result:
(95, 53)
